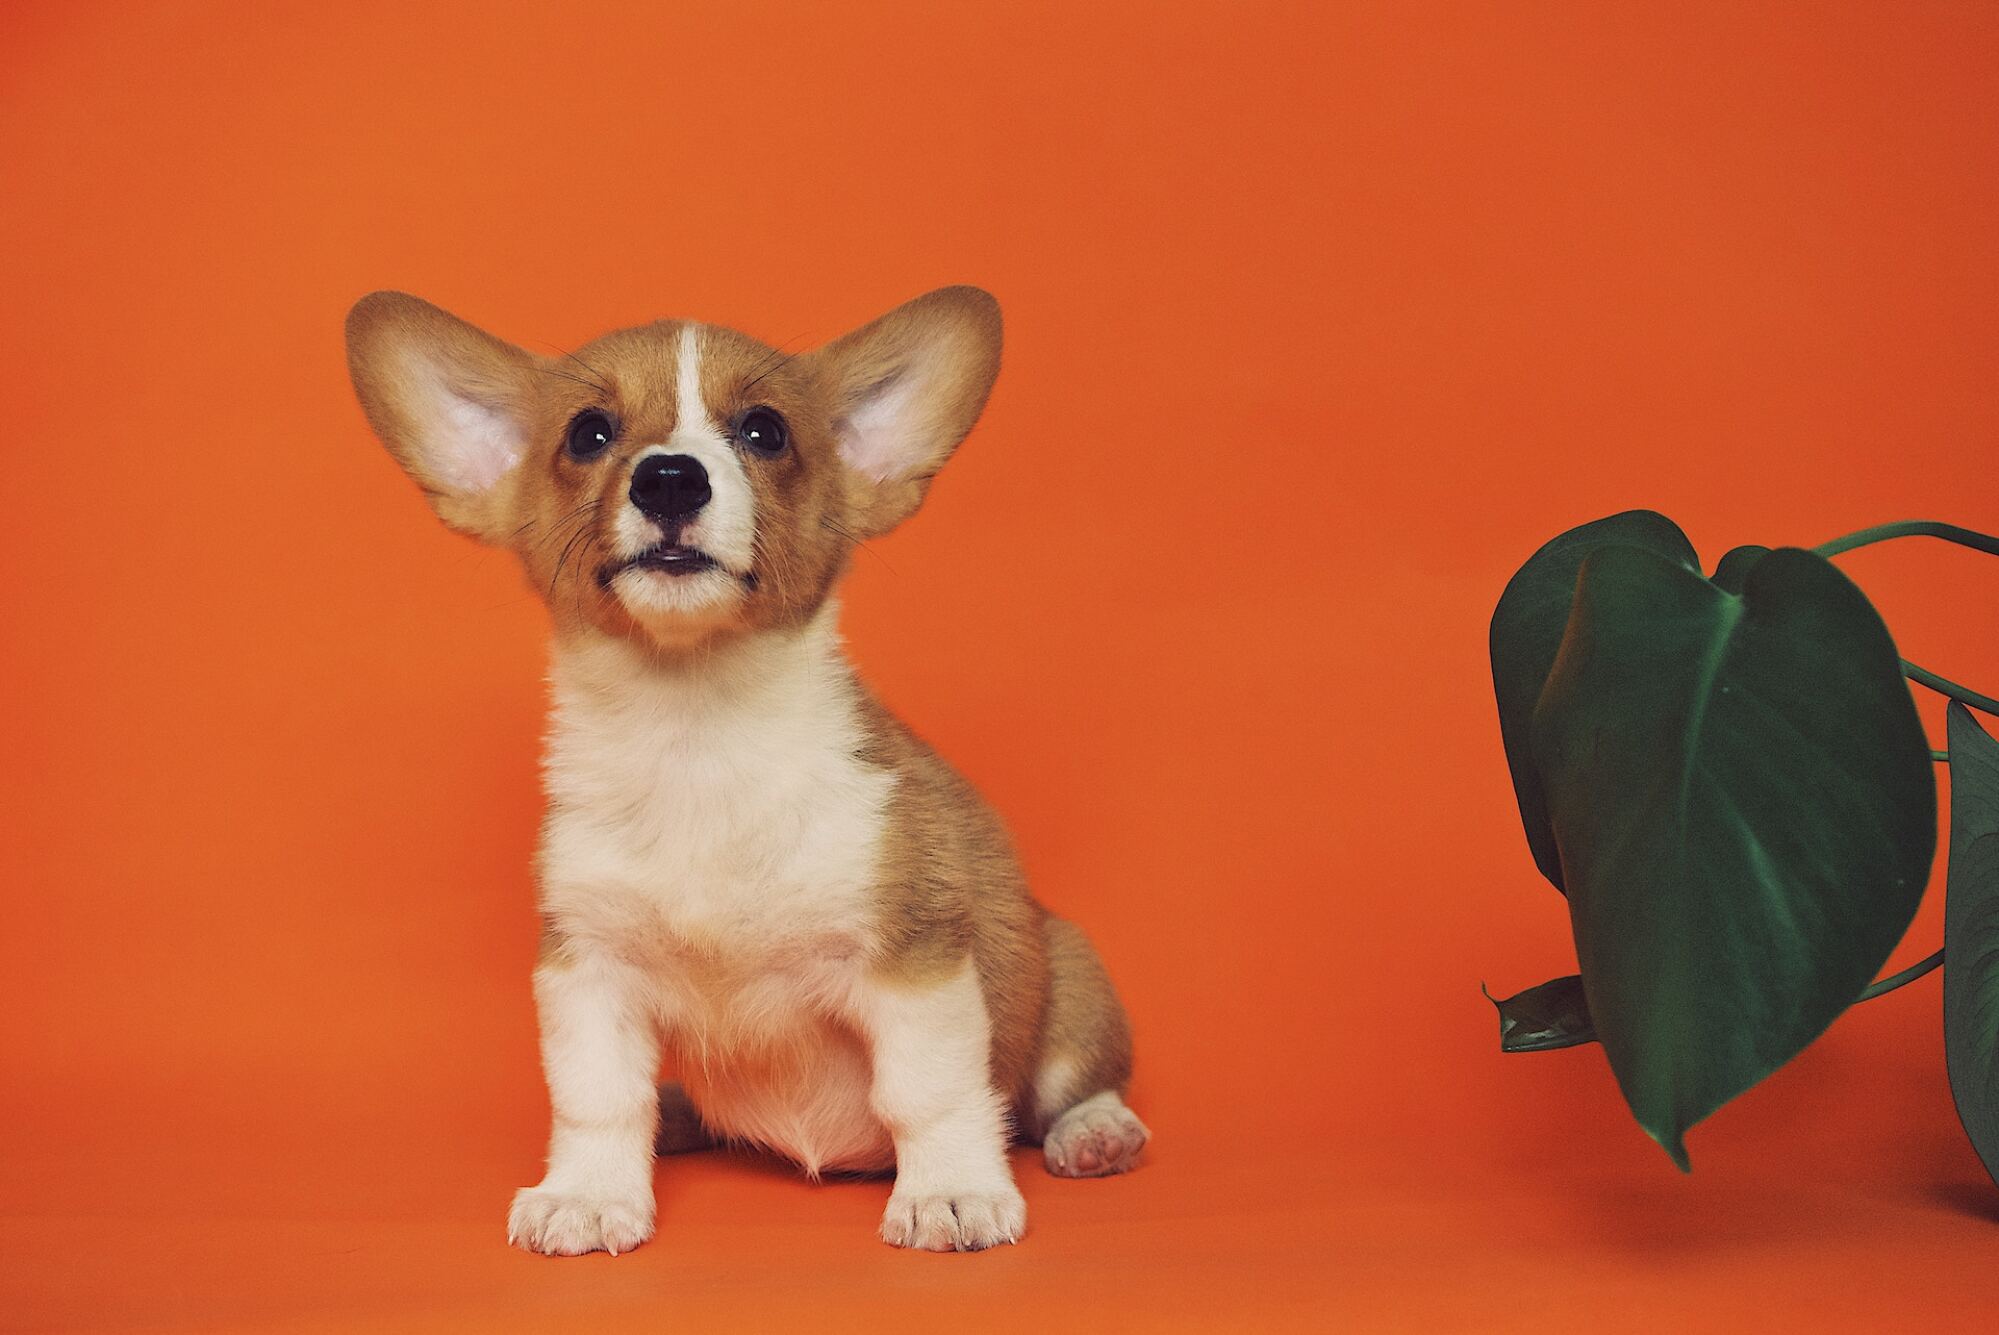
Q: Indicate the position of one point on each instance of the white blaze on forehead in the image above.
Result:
(691, 411)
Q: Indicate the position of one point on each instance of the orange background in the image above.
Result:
(1320, 319)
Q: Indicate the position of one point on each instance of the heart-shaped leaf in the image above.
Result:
(1971, 934)
(1526, 631)
(1541, 1019)
(1741, 793)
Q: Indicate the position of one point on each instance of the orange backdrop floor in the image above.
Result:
(1320, 318)
(392, 1226)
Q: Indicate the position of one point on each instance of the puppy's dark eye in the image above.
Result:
(763, 431)
(590, 434)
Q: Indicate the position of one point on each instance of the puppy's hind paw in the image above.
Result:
(1096, 1138)
(569, 1224)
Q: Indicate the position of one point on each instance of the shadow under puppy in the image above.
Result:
(746, 859)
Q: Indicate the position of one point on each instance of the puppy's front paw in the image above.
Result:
(963, 1221)
(557, 1223)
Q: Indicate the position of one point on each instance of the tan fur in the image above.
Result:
(872, 417)
(1084, 1029)
(950, 883)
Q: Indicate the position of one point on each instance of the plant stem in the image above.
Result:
(1908, 975)
(1924, 528)
(1944, 686)
(1910, 528)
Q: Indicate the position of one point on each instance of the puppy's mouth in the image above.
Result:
(667, 559)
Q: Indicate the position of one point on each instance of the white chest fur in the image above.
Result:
(714, 825)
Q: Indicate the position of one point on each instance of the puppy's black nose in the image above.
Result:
(670, 486)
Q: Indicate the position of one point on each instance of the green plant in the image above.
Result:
(1727, 777)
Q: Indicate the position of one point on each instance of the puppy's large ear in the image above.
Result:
(450, 401)
(906, 390)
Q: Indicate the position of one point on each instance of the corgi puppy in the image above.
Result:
(748, 864)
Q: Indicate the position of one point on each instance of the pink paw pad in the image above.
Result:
(1094, 1139)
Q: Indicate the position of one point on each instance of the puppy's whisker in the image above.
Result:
(588, 367)
(857, 540)
(581, 533)
(775, 362)
(580, 516)
(587, 384)
(595, 378)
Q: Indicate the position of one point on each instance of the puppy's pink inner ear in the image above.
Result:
(468, 444)
(884, 436)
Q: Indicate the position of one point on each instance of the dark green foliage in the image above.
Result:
(1728, 778)
(1741, 792)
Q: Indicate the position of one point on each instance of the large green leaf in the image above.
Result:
(1742, 795)
(1526, 631)
(1971, 934)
